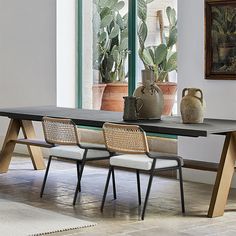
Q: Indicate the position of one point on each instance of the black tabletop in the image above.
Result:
(167, 125)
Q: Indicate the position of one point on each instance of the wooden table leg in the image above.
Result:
(224, 177)
(8, 146)
(35, 152)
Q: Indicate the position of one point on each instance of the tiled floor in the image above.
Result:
(120, 217)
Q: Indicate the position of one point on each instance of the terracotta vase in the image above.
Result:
(192, 106)
(112, 99)
(98, 90)
(169, 92)
(151, 96)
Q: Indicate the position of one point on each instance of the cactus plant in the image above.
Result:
(110, 44)
(160, 58)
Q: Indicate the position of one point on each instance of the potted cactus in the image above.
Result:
(162, 58)
(110, 47)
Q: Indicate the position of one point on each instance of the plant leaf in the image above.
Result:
(124, 44)
(147, 58)
(111, 3)
(103, 36)
(110, 63)
(172, 37)
(142, 33)
(115, 31)
(105, 12)
(103, 3)
(119, 21)
(125, 18)
(119, 5)
(171, 15)
(116, 56)
(160, 54)
(124, 34)
(172, 63)
(142, 10)
(106, 21)
(151, 52)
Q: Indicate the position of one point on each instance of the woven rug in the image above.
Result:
(18, 219)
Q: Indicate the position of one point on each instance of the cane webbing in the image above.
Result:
(125, 138)
(60, 131)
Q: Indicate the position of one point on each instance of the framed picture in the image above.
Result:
(220, 39)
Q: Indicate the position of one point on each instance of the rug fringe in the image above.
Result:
(62, 230)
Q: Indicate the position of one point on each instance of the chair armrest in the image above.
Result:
(166, 156)
(93, 146)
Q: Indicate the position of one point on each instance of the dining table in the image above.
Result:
(21, 118)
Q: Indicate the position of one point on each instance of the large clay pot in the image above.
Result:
(169, 92)
(192, 106)
(98, 90)
(112, 99)
(151, 96)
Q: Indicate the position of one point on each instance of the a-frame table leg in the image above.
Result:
(8, 145)
(224, 177)
(35, 152)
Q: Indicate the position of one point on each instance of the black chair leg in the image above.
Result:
(148, 192)
(106, 188)
(181, 189)
(78, 183)
(138, 186)
(45, 176)
(78, 175)
(113, 182)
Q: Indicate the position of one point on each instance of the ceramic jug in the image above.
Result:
(192, 106)
(151, 95)
(132, 106)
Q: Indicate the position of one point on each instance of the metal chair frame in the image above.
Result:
(144, 150)
(59, 127)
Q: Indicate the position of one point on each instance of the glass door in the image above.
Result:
(105, 54)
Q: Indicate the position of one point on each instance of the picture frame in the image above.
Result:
(220, 39)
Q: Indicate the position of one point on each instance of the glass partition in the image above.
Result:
(105, 40)
(105, 48)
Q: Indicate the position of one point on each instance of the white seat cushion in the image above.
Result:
(75, 152)
(140, 161)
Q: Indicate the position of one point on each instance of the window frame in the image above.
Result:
(132, 45)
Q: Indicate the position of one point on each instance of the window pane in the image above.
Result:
(157, 40)
(105, 54)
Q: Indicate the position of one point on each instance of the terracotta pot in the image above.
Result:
(112, 99)
(169, 91)
(98, 90)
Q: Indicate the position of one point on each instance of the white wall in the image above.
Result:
(27, 54)
(219, 95)
(66, 53)
(87, 55)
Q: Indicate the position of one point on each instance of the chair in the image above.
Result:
(63, 135)
(132, 141)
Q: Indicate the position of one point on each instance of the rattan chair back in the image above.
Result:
(125, 138)
(60, 131)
